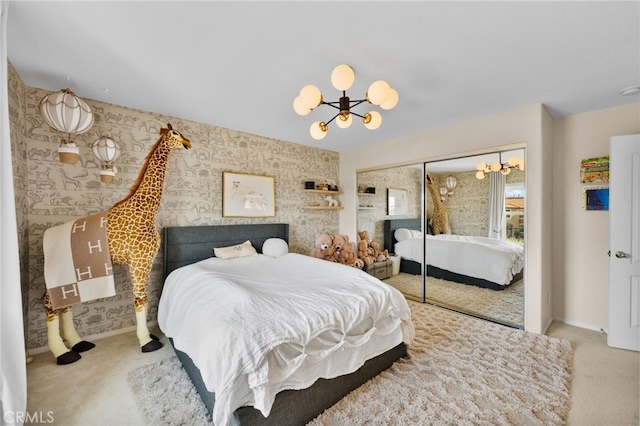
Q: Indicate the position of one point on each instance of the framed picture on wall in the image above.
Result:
(246, 195)
(396, 202)
(596, 198)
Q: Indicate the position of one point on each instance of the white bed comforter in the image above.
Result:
(257, 325)
(487, 258)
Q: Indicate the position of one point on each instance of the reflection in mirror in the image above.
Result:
(478, 266)
(373, 215)
(471, 215)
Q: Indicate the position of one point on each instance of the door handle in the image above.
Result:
(622, 255)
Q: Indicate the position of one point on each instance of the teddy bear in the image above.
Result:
(338, 241)
(322, 242)
(363, 253)
(348, 255)
(380, 255)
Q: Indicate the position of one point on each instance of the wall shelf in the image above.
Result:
(323, 208)
(321, 191)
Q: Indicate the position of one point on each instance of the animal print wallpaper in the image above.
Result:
(49, 192)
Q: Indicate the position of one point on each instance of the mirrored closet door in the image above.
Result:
(460, 240)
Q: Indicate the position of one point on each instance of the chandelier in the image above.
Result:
(505, 168)
(342, 77)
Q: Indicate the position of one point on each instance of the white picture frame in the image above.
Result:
(247, 195)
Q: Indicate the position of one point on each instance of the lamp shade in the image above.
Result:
(299, 107)
(344, 120)
(66, 113)
(318, 130)
(372, 120)
(342, 77)
(378, 92)
(310, 96)
(391, 101)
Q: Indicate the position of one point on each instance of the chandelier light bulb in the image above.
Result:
(480, 174)
(310, 96)
(505, 171)
(299, 107)
(318, 130)
(520, 165)
(344, 120)
(372, 120)
(495, 167)
(513, 161)
(378, 92)
(391, 101)
(481, 166)
(342, 77)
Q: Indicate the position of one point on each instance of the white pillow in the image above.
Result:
(415, 233)
(275, 247)
(402, 234)
(239, 250)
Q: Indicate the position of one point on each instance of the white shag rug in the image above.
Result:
(504, 306)
(460, 370)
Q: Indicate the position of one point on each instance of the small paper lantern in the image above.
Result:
(67, 113)
(107, 151)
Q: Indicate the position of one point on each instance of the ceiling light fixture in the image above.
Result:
(342, 77)
(505, 168)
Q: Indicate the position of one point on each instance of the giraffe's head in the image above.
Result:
(429, 180)
(174, 138)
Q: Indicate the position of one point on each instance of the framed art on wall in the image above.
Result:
(245, 195)
(396, 202)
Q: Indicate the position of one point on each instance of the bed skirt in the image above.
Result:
(298, 407)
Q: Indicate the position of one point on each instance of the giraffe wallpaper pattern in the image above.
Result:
(49, 192)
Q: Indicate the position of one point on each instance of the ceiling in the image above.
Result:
(239, 65)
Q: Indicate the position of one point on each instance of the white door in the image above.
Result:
(624, 242)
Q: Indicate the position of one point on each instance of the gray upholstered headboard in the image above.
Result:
(184, 245)
(390, 225)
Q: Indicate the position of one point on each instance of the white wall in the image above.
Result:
(530, 127)
(581, 238)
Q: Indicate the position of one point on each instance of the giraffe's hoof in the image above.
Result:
(153, 345)
(83, 346)
(68, 358)
(154, 337)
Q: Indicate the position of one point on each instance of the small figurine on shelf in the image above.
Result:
(332, 186)
(332, 201)
(323, 185)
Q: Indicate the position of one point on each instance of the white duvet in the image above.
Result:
(257, 325)
(487, 258)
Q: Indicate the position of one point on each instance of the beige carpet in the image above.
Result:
(461, 370)
(505, 306)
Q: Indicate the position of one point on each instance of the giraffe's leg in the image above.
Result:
(139, 275)
(71, 335)
(56, 344)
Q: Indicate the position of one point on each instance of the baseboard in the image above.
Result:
(581, 325)
(92, 337)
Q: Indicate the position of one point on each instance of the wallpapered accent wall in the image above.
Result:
(371, 217)
(51, 192)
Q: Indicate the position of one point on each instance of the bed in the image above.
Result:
(364, 350)
(483, 262)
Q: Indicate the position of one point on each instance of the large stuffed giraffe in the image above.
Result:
(133, 240)
(439, 218)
